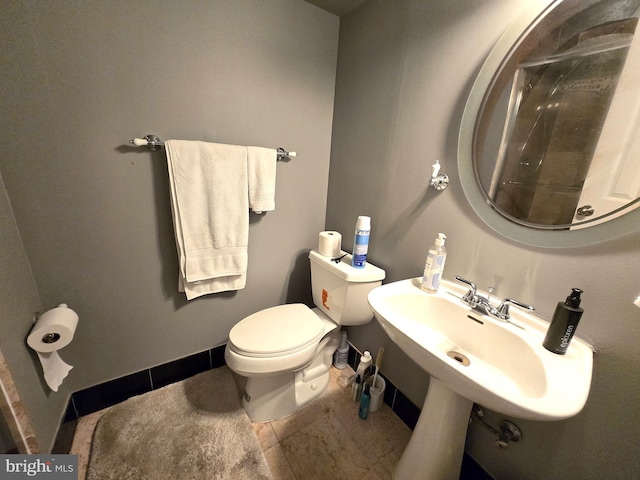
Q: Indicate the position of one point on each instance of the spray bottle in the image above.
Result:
(361, 242)
(341, 355)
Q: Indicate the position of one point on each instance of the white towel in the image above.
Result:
(262, 178)
(210, 210)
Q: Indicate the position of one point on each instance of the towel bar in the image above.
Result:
(154, 144)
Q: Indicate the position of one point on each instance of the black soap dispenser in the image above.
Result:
(564, 323)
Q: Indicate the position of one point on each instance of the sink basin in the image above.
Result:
(476, 358)
(508, 371)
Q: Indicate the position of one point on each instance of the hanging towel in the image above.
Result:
(261, 164)
(210, 211)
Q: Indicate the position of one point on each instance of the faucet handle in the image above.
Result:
(470, 296)
(471, 284)
(502, 312)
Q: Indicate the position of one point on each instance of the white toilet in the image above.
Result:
(286, 351)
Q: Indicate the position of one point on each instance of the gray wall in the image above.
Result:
(404, 71)
(19, 302)
(82, 78)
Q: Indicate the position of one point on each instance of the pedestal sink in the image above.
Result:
(474, 358)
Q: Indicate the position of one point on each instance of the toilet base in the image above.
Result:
(268, 398)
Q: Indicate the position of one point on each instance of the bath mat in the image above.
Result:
(190, 430)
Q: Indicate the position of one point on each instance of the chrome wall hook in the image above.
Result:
(438, 181)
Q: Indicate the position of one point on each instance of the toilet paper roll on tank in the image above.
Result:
(329, 244)
(53, 331)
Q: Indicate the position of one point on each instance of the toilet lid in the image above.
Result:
(276, 330)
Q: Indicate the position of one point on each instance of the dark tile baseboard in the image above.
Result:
(115, 391)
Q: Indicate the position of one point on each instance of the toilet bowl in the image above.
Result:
(285, 352)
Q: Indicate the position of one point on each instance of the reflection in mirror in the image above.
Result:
(556, 142)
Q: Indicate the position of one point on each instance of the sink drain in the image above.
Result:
(459, 357)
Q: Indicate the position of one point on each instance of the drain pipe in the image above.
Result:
(509, 431)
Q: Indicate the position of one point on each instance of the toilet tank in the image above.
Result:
(340, 290)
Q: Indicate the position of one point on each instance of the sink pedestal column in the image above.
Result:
(436, 447)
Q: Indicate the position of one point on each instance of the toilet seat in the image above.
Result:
(277, 331)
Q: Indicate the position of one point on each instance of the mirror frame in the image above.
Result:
(626, 224)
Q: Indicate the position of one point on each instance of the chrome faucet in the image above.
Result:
(483, 304)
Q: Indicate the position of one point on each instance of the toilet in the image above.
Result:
(285, 352)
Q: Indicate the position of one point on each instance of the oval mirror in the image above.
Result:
(550, 136)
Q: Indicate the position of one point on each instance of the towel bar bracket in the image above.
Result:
(151, 141)
(282, 154)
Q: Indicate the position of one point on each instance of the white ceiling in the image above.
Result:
(337, 7)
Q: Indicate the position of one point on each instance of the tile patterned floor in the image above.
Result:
(325, 440)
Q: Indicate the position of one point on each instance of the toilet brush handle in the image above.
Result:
(378, 363)
(379, 358)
